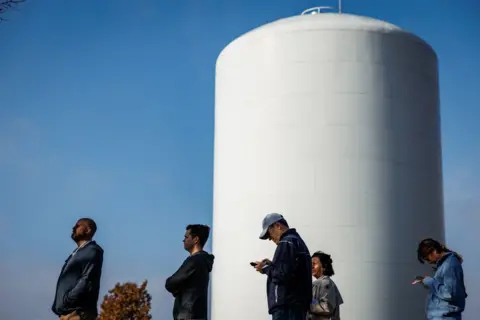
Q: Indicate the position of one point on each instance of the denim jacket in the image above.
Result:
(446, 298)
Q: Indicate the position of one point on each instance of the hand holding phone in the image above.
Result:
(418, 279)
(259, 266)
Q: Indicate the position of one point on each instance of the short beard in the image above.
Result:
(78, 237)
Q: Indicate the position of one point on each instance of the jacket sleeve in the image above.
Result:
(180, 277)
(450, 288)
(91, 271)
(283, 264)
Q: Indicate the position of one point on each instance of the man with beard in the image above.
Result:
(189, 285)
(78, 285)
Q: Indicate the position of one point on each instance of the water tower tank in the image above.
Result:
(333, 121)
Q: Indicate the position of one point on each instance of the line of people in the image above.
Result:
(291, 295)
(78, 285)
(290, 291)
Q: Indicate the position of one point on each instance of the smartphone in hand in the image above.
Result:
(418, 279)
(254, 264)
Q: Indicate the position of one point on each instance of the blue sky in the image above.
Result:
(106, 110)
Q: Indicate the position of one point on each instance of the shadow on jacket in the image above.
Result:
(78, 284)
(189, 286)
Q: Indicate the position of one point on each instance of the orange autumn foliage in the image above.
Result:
(126, 301)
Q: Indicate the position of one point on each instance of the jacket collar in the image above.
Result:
(289, 232)
(444, 258)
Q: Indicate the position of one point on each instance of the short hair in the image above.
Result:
(201, 231)
(326, 261)
(427, 246)
(91, 224)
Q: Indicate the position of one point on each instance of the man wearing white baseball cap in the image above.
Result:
(289, 274)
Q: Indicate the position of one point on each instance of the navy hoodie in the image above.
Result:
(78, 284)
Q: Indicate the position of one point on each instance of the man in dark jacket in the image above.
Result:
(289, 282)
(78, 285)
(189, 285)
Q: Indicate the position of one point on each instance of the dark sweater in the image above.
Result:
(189, 286)
(78, 284)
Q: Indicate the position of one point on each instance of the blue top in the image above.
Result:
(447, 290)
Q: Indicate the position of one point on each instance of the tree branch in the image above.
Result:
(6, 5)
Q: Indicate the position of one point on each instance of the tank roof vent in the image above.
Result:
(317, 10)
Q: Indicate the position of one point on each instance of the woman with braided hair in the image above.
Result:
(326, 296)
(447, 294)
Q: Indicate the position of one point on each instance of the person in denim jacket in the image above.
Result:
(447, 294)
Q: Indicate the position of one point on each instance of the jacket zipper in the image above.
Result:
(276, 293)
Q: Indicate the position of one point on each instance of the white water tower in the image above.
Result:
(332, 120)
